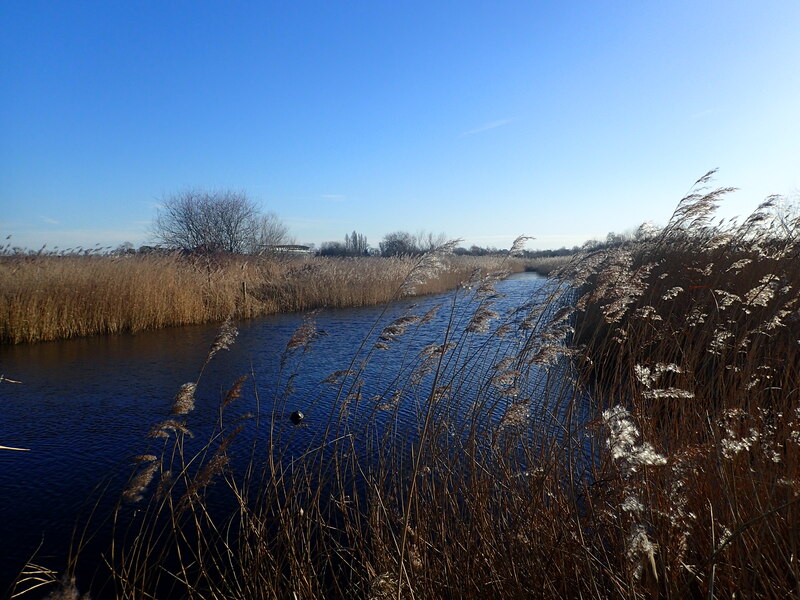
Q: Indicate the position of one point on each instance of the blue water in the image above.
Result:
(85, 406)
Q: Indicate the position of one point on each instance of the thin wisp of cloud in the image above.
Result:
(703, 113)
(487, 126)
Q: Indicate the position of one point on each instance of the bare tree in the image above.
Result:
(356, 244)
(270, 231)
(332, 249)
(398, 243)
(402, 242)
(427, 241)
(220, 220)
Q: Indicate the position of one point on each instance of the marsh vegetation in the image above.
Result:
(47, 297)
(634, 432)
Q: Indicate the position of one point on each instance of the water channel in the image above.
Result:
(84, 407)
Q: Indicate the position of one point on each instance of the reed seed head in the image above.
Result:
(184, 400)
(139, 484)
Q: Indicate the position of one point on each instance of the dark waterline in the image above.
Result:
(85, 406)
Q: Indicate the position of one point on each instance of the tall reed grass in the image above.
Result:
(545, 265)
(692, 339)
(634, 433)
(47, 297)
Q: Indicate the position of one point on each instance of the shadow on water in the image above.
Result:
(84, 407)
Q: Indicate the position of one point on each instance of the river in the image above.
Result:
(84, 407)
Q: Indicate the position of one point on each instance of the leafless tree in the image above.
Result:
(401, 242)
(218, 220)
(270, 231)
(427, 241)
(398, 243)
(356, 244)
(332, 249)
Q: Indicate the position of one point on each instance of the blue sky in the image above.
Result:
(484, 120)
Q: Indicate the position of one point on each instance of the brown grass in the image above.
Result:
(680, 480)
(44, 297)
(695, 332)
(546, 264)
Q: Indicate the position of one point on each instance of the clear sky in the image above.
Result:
(484, 120)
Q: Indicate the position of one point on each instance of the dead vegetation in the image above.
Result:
(634, 434)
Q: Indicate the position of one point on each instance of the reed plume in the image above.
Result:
(634, 432)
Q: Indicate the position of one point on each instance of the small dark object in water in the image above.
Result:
(296, 417)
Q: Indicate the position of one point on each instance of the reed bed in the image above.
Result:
(692, 342)
(48, 297)
(545, 265)
(634, 432)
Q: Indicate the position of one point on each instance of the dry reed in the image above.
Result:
(546, 265)
(679, 479)
(47, 297)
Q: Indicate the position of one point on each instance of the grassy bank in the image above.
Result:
(46, 297)
(681, 477)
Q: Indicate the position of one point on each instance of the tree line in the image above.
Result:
(396, 243)
(229, 221)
